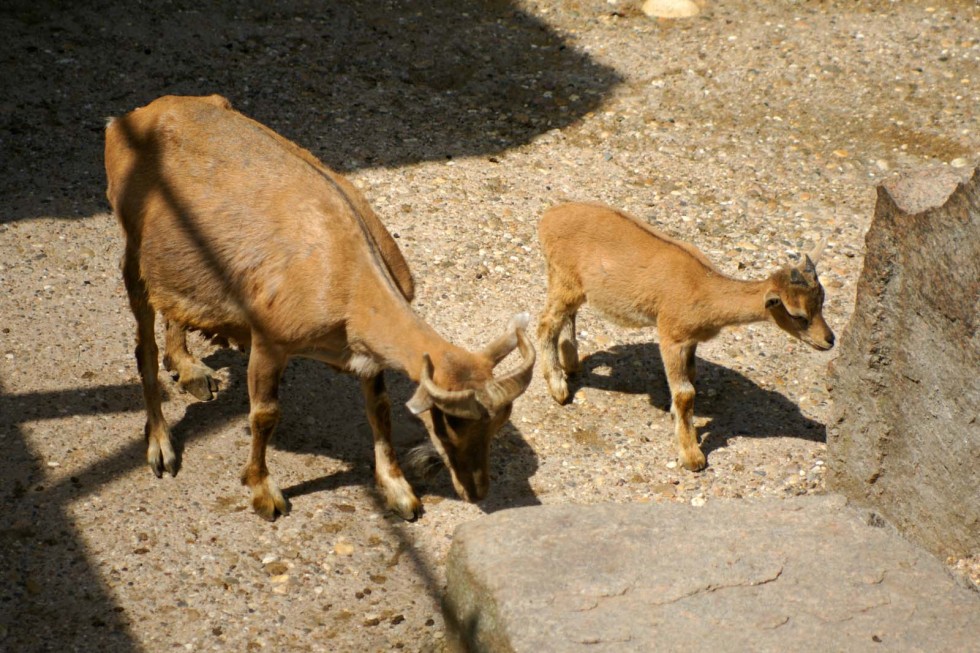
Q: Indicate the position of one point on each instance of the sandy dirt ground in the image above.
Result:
(753, 130)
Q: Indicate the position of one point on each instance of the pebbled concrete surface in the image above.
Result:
(806, 574)
(752, 131)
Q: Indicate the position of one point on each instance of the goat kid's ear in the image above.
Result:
(772, 299)
(420, 402)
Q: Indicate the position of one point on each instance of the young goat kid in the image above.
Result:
(636, 277)
(235, 231)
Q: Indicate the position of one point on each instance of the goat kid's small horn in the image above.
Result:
(460, 403)
(505, 390)
(813, 256)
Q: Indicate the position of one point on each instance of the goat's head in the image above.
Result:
(463, 406)
(794, 301)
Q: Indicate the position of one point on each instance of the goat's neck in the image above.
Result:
(397, 338)
(733, 301)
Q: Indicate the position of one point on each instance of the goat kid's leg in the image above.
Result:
(691, 363)
(678, 358)
(550, 325)
(568, 346)
(265, 366)
(397, 492)
(193, 376)
(159, 447)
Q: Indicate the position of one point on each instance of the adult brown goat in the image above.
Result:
(239, 233)
(636, 276)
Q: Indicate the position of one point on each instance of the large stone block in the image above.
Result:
(904, 433)
(802, 574)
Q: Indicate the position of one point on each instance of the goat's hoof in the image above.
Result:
(199, 382)
(694, 460)
(407, 509)
(161, 457)
(268, 501)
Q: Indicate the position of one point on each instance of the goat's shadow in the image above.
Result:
(322, 412)
(734, 404)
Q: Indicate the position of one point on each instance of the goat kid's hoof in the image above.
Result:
(559, 390)
(694, 461)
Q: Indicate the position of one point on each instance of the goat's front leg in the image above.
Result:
(568, 346)
(691, 363)
(387, 473)
(193, 376)
(678, 360)
(159, 448)
(265, 366)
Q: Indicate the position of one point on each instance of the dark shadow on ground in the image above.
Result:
(359, 83)
(735, 404)
(51, 599)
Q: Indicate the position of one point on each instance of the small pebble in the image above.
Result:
(343, 548)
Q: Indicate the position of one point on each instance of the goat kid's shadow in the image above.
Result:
(323, 413)
(738, 406)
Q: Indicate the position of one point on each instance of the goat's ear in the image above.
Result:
(420, 402)
(772, 299)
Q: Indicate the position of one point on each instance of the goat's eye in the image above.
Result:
(802, 320)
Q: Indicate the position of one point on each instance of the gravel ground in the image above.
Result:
(752, 131)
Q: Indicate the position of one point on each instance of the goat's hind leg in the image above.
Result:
(193, 376)
(265, 366)
(160, 453)
(398, 494)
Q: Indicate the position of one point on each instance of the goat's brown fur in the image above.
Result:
(637, 276)
(237, 232)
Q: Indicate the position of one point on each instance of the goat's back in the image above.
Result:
(625, 268)
(234, 224)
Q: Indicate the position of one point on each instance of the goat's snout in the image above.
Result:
(821, 341)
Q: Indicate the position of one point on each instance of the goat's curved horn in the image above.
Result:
(506, 389)
(460, 403)
(499, 348)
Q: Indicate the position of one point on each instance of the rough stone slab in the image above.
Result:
(904, 432)
(804, 574)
